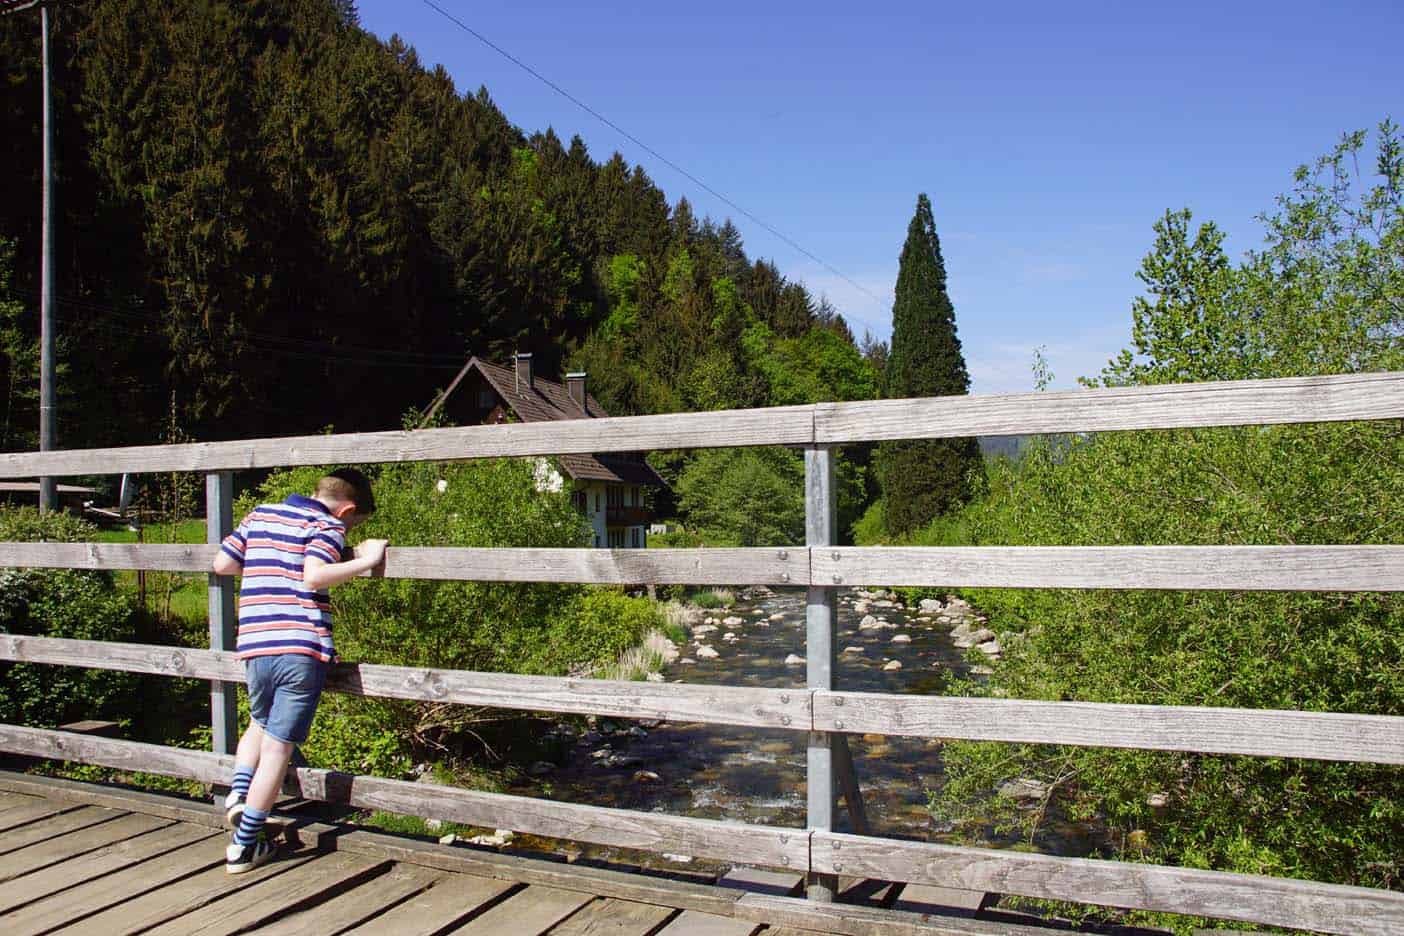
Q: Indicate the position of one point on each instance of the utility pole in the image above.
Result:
(47, 409)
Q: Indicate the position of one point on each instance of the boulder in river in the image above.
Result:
(972, 638)
(794, 659)
(989, 648)
(854, 650)
(892, 665)
(901, 638)
(930, 606)
(705, 652)
(732, 621)
(1025, 788)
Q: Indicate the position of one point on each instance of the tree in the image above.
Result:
(923, 479)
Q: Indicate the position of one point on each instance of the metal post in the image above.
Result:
(821, 619)
(219, 523)
(46, 284)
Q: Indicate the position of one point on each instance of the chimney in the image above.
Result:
(524, 378)
(575, 383)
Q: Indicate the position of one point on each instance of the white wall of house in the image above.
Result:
(596, 509)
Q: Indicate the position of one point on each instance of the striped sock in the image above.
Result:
(250, 825)
(243, 776)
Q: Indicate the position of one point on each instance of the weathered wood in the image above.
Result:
(451, 900)
(28, 813)
(696, 923)
(307, 885)
(1377, 739)
(767, 566)
(70, 794)
(1168, 406)
(611, 917)
(761, 881)
(152, 908)
(767, 708)
(1329, 908)
(95, 864)
(847, 775)
(356, 906)
(10, 800)
(1181, 568)
(528, 912)
(929, 898)
(762, 845)
(99, 894)
(224, 695)
(780, 425)
(868, 921)
(51, 827)
(57, 848)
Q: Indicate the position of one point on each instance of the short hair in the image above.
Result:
(347, 484)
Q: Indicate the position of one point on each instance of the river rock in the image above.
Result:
(892, 665)
(989, 648)
(861, 607)
(794, 659)
(1158, 800)
(705, 652)
(654, 677)
(733, 621)
(1025, 788)
(686, 661)
(448, 839)
(971, 638)
(854, 650)
(497, 839)
(541, 768)
(729, 637)
(929, 606)
(868, 623)
(646, 776)
(777, 616)
(701, 630)
(885, 604)
(981, 671)
(901, 638)
(622, 760)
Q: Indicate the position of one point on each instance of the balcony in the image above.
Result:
(626, 516)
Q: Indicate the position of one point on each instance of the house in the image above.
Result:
(607, 488)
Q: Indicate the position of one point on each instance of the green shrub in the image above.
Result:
(61, 603)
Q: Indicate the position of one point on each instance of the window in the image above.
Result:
(615, 495)
(580, 501)
(597, 539)
(634, 537)
(486, 398)
(616, 539)
(597, 502)
(638, 502)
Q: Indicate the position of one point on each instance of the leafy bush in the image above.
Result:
(61, 603)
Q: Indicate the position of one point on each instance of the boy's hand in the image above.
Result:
(372, 549)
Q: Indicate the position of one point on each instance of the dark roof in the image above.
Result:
(549, 401)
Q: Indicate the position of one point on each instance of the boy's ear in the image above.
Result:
(343, 510)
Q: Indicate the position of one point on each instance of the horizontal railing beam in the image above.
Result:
(1227, 568)
(1180, 568)
(1339, 398)
(1374, 739)
(1331, 736)
(620, 828)
(781, 709)
(1172, 406)
(1307, 905)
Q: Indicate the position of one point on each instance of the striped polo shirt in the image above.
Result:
(276, 614)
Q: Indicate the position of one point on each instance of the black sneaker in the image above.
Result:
(240, 858)
(233, 809)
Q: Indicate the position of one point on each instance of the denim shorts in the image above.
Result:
(284, 689)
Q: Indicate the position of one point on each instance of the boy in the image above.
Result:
(289, 555)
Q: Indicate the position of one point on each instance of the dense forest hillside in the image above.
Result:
(271, 221)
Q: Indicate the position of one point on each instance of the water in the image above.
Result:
(757, 775)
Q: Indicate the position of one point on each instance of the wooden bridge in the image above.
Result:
(824, 858)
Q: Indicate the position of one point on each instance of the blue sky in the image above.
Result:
(1049, 136)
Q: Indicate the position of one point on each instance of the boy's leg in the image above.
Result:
(267, 782)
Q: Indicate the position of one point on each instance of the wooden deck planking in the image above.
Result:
(30, 812)
(449, 901)
(697, 923)
(59, 848)
(186, 895)
(99, 894)
(529, 912)
(610, 916)
(10, 800)
(357, 905)
(51, 827)
(85, 867)
(307, 885)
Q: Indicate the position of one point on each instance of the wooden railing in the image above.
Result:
(824, 714)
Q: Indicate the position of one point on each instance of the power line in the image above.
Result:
(646, 148)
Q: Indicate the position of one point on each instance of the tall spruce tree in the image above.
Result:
(924, 478)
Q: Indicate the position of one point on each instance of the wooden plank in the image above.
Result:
(178, 898)
(51, 851)
(54, 826)
(528, 912)
(71, 793)
(1375, 739)
(451, 900)
(758, 565)
(126, 884)
(1179, 568)
(606, 882)
(30, 812)
(727, 705)
(11, 800)
(1168, 406)
(1330, 908)
(308, 885)
(847, 774)
(779, 425)
(929, 898)
(356, 906)
(95, 864)
(224, 694)
(611, 917)
(807, 915)
(763, 845)
(761, 881)
(697, 923)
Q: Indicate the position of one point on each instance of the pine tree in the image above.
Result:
(922, 479)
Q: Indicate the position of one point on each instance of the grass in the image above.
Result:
(636, 663)
(714, 598)
(189, 594)
(182, 531)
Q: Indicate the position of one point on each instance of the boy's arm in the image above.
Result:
(319, 575)
(230, 558)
